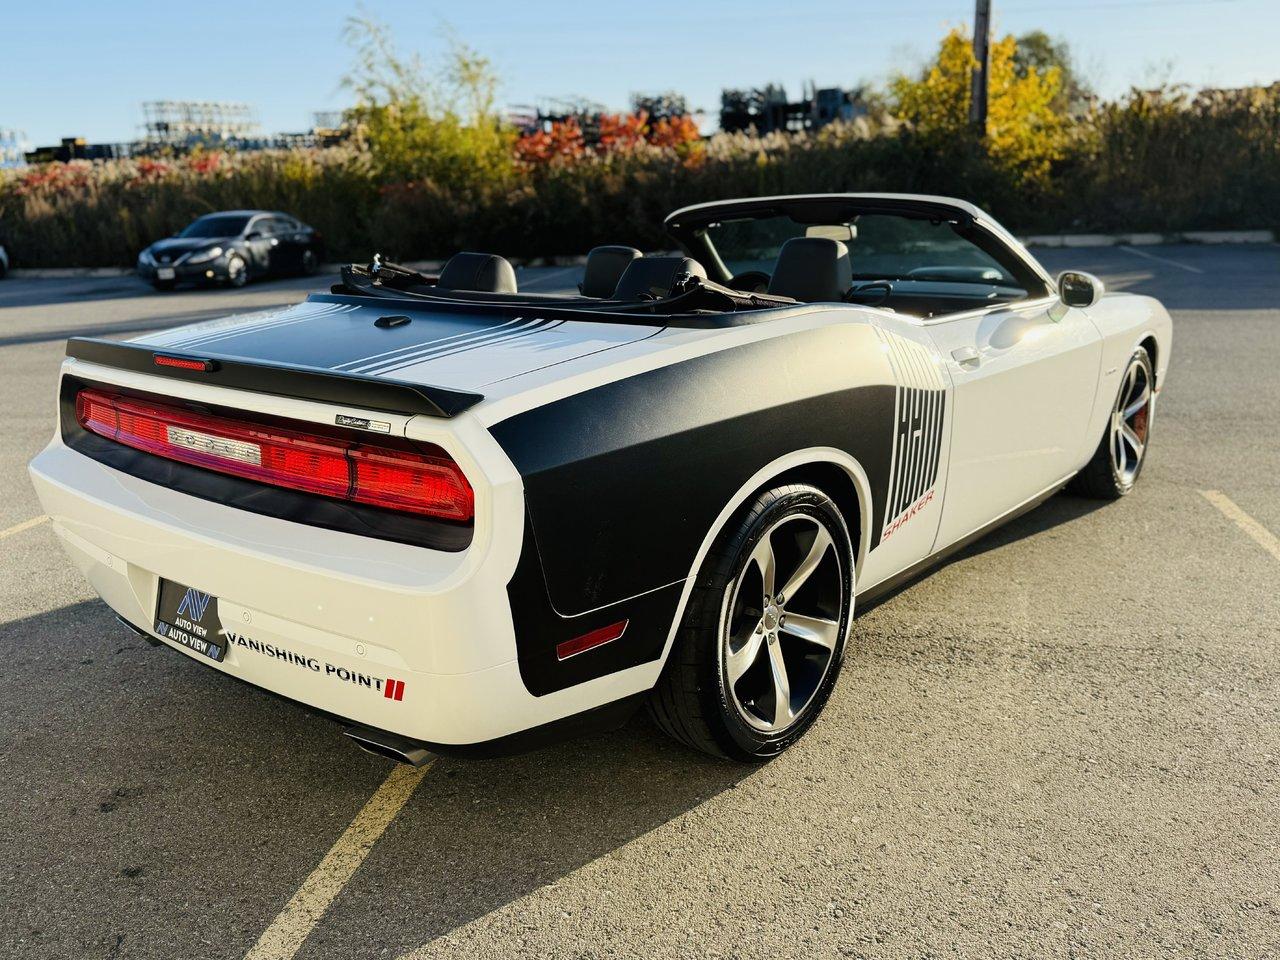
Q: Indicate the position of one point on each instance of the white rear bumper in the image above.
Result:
(324, 617)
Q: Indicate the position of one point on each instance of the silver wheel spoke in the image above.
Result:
(821, 544)
(782, 714)
(762, 556)
(1138, 404)
(1132, 440)
(1122, 459)
(815, 630)
(736, 664)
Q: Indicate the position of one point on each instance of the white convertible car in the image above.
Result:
(455, 516)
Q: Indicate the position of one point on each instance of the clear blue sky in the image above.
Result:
(82, 67)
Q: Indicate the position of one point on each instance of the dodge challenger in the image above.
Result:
(455, 516)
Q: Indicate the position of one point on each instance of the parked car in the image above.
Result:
(461, 517)
(4, 261)
(233, 247)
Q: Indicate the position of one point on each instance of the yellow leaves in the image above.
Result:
(1024, 132)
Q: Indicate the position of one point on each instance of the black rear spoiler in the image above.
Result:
(278, 379)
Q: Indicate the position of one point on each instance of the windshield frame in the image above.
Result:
(688, 227)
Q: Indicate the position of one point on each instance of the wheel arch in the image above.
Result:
(1149, 343)
(833, 471)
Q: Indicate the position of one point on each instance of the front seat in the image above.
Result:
(654, 276)
(605, 266)
(485, 272)
(812, 270)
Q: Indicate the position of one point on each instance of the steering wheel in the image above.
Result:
(865, 294)
(749, 281)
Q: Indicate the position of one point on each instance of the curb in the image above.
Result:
(1148, 239)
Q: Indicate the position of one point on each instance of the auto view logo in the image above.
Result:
(194, 604)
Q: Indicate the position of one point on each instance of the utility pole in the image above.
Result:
(981, 38)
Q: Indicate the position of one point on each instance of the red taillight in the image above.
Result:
(430, 484)
(589, 641)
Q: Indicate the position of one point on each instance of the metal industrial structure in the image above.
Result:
(185, 122)
(766, 109)
(13, 147)
(178, 126)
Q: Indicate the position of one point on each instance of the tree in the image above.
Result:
(444, 129)
(1025, 133)
(1039, 51)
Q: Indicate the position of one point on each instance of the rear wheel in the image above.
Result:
(1118, 461)
(309, 262)
(763, 637)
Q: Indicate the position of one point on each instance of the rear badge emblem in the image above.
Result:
(360, 423)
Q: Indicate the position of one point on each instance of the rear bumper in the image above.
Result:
(318, 616)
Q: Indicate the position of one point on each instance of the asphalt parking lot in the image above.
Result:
(1065, 742)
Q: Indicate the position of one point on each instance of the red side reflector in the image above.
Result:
(430, 484)
(588, 641)
(183, 363)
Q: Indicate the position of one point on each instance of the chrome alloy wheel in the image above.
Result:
(781, 621)
(1131, 423)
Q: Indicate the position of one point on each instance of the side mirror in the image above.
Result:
(1079, 289)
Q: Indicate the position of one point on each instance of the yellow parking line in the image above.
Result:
(1260, 534)
(294, 924)
(24, 525)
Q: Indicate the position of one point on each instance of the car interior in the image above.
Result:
(913, 261)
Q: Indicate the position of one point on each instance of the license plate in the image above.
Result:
(165, 273)
(189, 616)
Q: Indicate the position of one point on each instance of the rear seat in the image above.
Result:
(485, 272)
(654, 277)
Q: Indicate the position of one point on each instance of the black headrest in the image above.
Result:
(605, 266)
(478, 271)
(812, 269)
(654, 276)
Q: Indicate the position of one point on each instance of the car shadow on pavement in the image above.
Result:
(142, 778)
(1059, 509)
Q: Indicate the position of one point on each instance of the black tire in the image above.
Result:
(163, 285)
(237, 276)
(1104, 477)
(309, 262)
(693, 701)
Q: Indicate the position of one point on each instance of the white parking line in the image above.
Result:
(1264, 537)
(294, 924)
(1151, 256)
(24, 525)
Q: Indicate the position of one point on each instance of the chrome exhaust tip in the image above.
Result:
(388, 745)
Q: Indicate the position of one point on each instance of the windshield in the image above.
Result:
(881, 247)
(216, 225)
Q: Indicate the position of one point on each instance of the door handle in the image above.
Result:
(966, 356)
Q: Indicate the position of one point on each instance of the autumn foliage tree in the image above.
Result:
(1026, 132)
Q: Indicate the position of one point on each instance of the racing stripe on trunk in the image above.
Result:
(237, 326)
(389, 356)
(515, 333)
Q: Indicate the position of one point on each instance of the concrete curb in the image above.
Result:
(1148, 239)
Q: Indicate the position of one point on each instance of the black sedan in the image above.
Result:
(232, 247)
